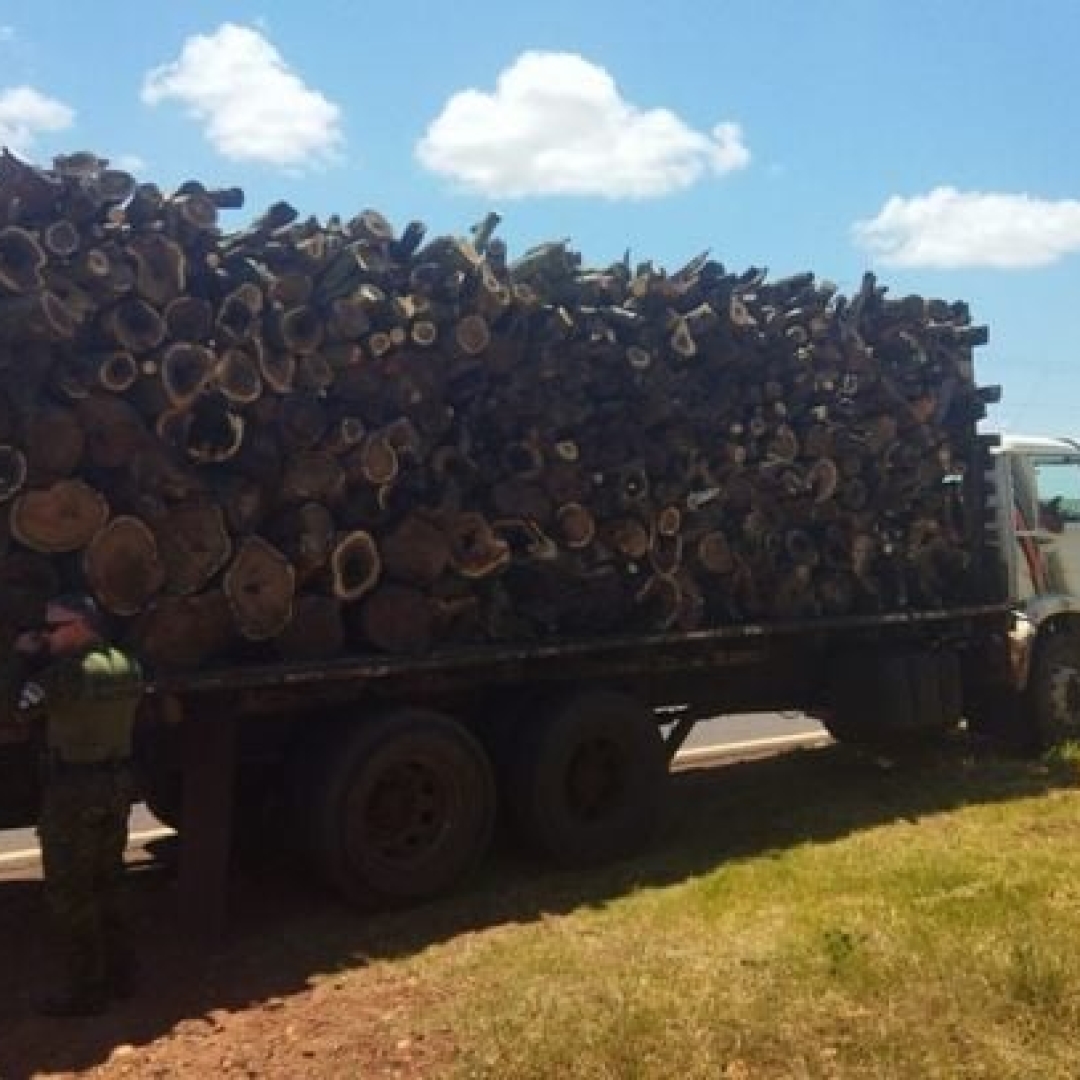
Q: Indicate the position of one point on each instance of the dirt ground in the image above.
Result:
(301, 988)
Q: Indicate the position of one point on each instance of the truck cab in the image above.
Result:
(1035, 510)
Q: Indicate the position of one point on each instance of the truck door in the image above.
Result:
(1047, 509)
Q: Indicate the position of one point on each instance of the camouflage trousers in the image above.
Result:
(83, 830)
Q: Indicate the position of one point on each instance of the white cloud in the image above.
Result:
(557, 124)
(948, 229)
(25, 113)
(131, 163)
(252, 106)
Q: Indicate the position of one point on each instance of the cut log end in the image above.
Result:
(355, 566)
(193, 544)
(63, 517)
(416, 552)
(122, 566)
(259, 585)
(118, 372)
(21, 260)
(472, 335)
(475, 550)
(577, 526)
(186, 370)
(12, 472)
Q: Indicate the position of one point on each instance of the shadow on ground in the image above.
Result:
(284, 931)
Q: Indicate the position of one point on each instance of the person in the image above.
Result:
(82, 703)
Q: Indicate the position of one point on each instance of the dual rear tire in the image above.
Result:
(402, 807)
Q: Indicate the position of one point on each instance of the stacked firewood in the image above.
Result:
(308, 438)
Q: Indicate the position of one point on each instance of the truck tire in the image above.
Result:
(402, 807)
(1054, 689)
(587, 778)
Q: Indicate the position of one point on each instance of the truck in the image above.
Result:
(411, 534)
(390, 771)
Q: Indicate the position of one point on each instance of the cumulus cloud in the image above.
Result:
(252, 106)
(25, 113)
(557, 124)
(949, 229)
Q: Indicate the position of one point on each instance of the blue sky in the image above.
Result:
(934, 142)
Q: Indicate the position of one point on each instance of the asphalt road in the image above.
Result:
(711, 740)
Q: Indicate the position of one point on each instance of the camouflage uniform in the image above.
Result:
(89, 704)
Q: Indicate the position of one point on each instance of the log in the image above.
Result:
(42, 315)
(306, 535)
(13, 471)
(160, 268)
(475, 550)
(122, 567)
(186, 372)
(60, 518)
(54, 443)
(355, 565)
(134, 325)
(117, 371)
(193, 544)
(189, 318)
(21, 261)
(237, 377)
(439, 444)
(259, 585)
(214, 433)
(184, 632)
(416, 552)
(114, 432)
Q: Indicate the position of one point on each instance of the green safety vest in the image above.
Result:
(90, 704)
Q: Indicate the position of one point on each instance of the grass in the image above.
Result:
(815, 916)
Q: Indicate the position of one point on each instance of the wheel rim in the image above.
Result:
(402, 816)
(595, 779)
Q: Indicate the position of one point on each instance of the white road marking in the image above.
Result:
(777, 742)
(8, 858)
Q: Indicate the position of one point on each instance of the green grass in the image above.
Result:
(817, 916)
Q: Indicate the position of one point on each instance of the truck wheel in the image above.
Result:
(1054, 689)
(403, 807)
(587, 778)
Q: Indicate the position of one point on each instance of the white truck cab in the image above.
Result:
(1036, 510)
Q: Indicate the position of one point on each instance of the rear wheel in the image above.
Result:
(402, 809)
(1054, 689)
(587, 777)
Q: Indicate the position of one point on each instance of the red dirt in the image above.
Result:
(294, 993)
